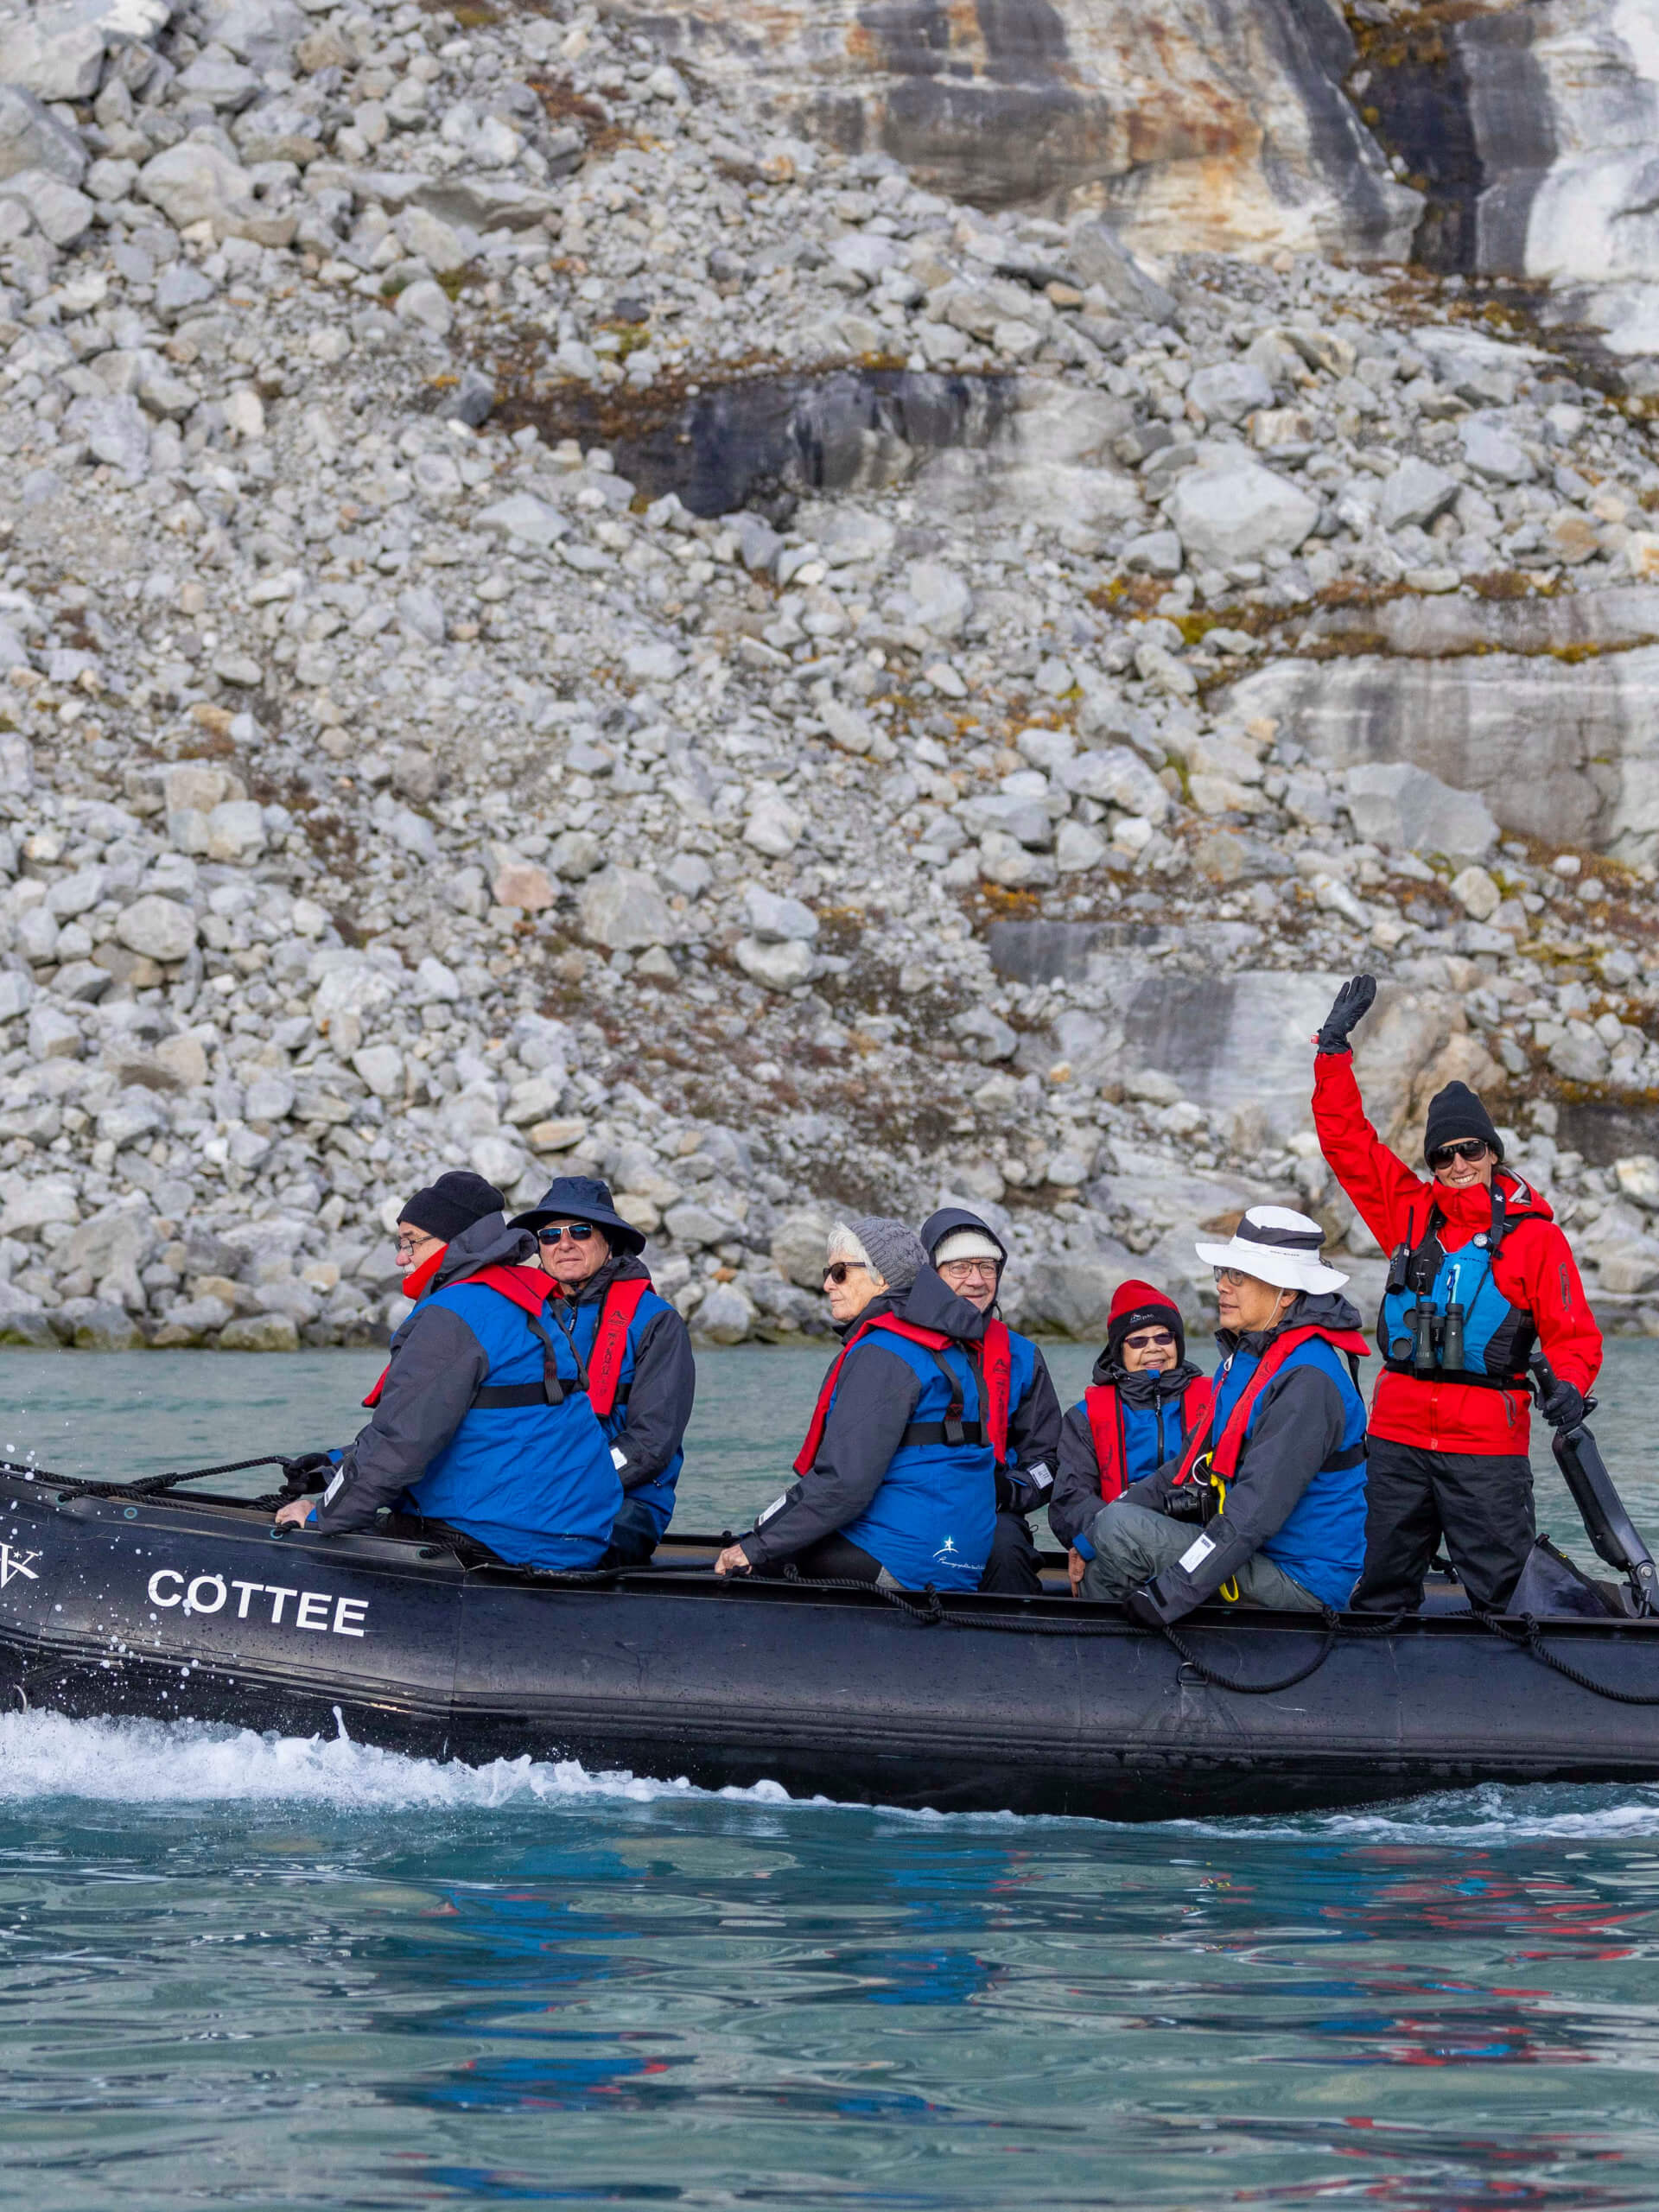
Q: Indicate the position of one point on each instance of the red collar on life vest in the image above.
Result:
(1224, 1454)
(994, 1361)
(1104, 1406)
(616, 1311)
(420, 1279)
(526, 1287)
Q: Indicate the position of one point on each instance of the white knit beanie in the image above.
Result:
(967, 1244)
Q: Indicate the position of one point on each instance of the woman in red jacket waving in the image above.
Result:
(1478, 1273)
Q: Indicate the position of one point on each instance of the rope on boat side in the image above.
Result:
(140, 1485)
(1528, 1636)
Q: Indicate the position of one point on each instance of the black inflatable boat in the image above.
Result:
(147, 1600)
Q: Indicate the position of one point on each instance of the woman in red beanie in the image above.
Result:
(1144, 1401)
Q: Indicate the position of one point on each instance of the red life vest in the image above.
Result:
(525, 1287)
(617, 1310)
(994, 1367)
(1106, 1428)
(1223, 1456)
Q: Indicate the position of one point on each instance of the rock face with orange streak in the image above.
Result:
(1194, 124)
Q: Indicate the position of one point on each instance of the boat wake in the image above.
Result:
(45, 1756)
(156, 1762)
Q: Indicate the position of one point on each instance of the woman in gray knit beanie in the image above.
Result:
(897, 1473)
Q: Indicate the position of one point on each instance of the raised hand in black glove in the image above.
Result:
(1350, 1007)
(1563, 1406)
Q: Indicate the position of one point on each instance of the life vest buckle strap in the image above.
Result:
(942, 1432)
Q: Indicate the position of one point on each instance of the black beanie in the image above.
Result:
(454, 1202)
(1456, 1112)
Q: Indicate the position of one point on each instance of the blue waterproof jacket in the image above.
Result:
(656, 1384)
(884, 1475)
(463, 1432)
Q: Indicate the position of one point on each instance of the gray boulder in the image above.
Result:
(1238, 511)
(1230, 392)
(60, 212)
(31, 137)
(1393, 803)
(622, 909)
(1415, 494)
(56, 51)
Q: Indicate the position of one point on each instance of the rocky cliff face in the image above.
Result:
(548, 621)
(1193, 123)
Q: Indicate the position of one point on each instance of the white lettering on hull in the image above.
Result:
(318, 1609)
(13, 1562)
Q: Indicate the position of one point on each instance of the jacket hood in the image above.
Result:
(622, 1266)
(1323, 1309)
(938, 1226)
(932, 1304)
(487, 1244)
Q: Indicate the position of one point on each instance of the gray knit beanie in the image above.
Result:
(897, 1252)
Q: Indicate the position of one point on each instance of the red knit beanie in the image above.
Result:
(1134, 1305)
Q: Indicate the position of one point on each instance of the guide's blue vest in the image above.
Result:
(1322, 1543)
(533, 1481)
(1497, 1337)
(932, 1517)
(657, 1495)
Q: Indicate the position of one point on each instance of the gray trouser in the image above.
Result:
(1132, 1544)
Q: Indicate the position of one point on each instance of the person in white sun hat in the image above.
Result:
(1267, 1503)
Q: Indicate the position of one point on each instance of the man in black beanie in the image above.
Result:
(434, 1217)
(481, 1429)
(1478, 1274)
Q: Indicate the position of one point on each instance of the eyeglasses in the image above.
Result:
(1472, 1149)
(405, 1247)
(1154, 1339)
(837, 1272)
(1231, 1276)
(963, 1268)
(577, 1231)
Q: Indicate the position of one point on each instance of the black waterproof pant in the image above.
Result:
(1481, 1505)
(833, 1558)
(1011, 1570)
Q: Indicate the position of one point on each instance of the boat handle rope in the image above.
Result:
(1528, 1636)
(140, 1485)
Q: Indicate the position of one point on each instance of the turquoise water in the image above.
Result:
(250, 1972)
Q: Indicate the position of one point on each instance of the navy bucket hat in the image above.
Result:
(583, 1197)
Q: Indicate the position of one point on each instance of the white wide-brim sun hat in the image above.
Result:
(1276, 1246)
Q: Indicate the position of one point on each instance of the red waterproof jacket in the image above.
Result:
(1534, 1270)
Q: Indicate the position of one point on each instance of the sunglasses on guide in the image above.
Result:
(1470, 1148)
(577, 1231)
(838, 1270)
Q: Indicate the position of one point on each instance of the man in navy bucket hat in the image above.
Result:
(633, 1351)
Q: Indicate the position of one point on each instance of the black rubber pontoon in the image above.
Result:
(128, 1600)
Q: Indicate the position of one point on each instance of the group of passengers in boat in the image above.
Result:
(535, 1404)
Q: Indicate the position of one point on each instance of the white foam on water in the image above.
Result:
(1459, 1818)
(44, 1755)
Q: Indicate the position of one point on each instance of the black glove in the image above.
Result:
(1151, 1607)
(1563, 1406)
(1350, 1006)
(312, 1470)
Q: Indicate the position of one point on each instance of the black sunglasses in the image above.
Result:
(1150, 1340)
(838, 1272)
(577, 1231)
(1464, 1148)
